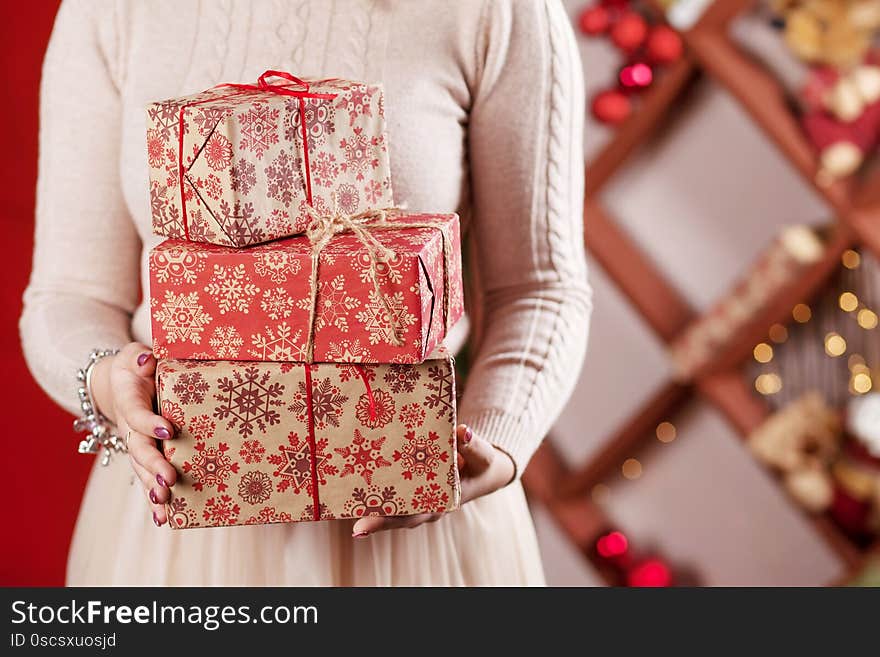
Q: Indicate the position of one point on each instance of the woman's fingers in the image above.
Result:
(160, 515)
(476, 452)
(138, 358)
(372, 524)
(143, 451)
(134, 403)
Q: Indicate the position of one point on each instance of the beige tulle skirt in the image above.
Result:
(488, 542)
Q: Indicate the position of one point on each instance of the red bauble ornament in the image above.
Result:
(651, 572)
(611, 545)
(664, 45)
(611, 107)
(594, 20)
(629, 32)
(635, 76)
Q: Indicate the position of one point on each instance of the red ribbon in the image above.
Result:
(313, 447)
(301, 91)
(313, 444)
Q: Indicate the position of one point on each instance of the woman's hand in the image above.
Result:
(483, 469)
(124, 387)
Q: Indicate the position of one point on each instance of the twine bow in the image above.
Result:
(323, 228)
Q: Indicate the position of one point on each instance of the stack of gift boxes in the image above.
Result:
(297, 316)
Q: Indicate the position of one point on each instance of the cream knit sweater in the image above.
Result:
(484, 100)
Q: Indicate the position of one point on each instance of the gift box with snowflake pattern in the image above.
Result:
(211, 302)
(282, 442)
(238, 164)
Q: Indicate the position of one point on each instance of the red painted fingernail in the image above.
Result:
(468, 435)
(156, 520)
(360, 534)
(153, 498)
(143, 358)
(162, 432)
(161, 480)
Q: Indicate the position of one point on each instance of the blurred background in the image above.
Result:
(726, 428)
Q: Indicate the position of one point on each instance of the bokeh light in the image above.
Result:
(801, 313)
(835, 345)
(666, 432)
(763, 352)
(631, 468)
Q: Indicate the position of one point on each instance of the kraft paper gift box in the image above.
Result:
(282, 442)
(240, 164)
(210, 302)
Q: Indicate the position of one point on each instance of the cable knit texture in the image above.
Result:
(484, 102)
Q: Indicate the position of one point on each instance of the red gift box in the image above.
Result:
(210, 302)
(242, 164)
(254, 438)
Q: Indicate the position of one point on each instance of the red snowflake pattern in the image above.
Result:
(324, 169)
(166, 116)
(363, 457)
(249, 400)
(402, 378)
(373, 191)
(244, 177)
(374, 502)
(412, 415)
(191, 388)
(382, 409)
(166, 215)
(210, 466)
(349, 350)
(348, 198)
(452, 479)
(278, 223)
(323, 512)
(173, 412)
(221, 510)
(240, 224)
(358, 101)
(202, 426)
(155, 148)
(252, 451)
(255, 487)
(182, 515)
(259, 128)
(294, 464)
(441, 391)
(267, 515)
(283, 177)
(218, 152)
(200, 228)
(211, 186)
(207, 118)
(319, 122)
(361, 153)
(420, 456)
(327, 403)
(430, 498)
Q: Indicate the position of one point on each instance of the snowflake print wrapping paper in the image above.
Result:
(210, 302)
(383, 440)
(249, 167)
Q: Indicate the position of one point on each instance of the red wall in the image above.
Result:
(42, 475)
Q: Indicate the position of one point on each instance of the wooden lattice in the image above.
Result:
(855, 203)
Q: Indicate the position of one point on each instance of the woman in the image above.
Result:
(484, 102)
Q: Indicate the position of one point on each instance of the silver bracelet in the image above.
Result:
(102, 437)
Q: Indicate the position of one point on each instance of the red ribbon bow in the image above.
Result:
(301, 91)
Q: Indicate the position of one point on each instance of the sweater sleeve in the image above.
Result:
(526, 166)
(84, 282)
